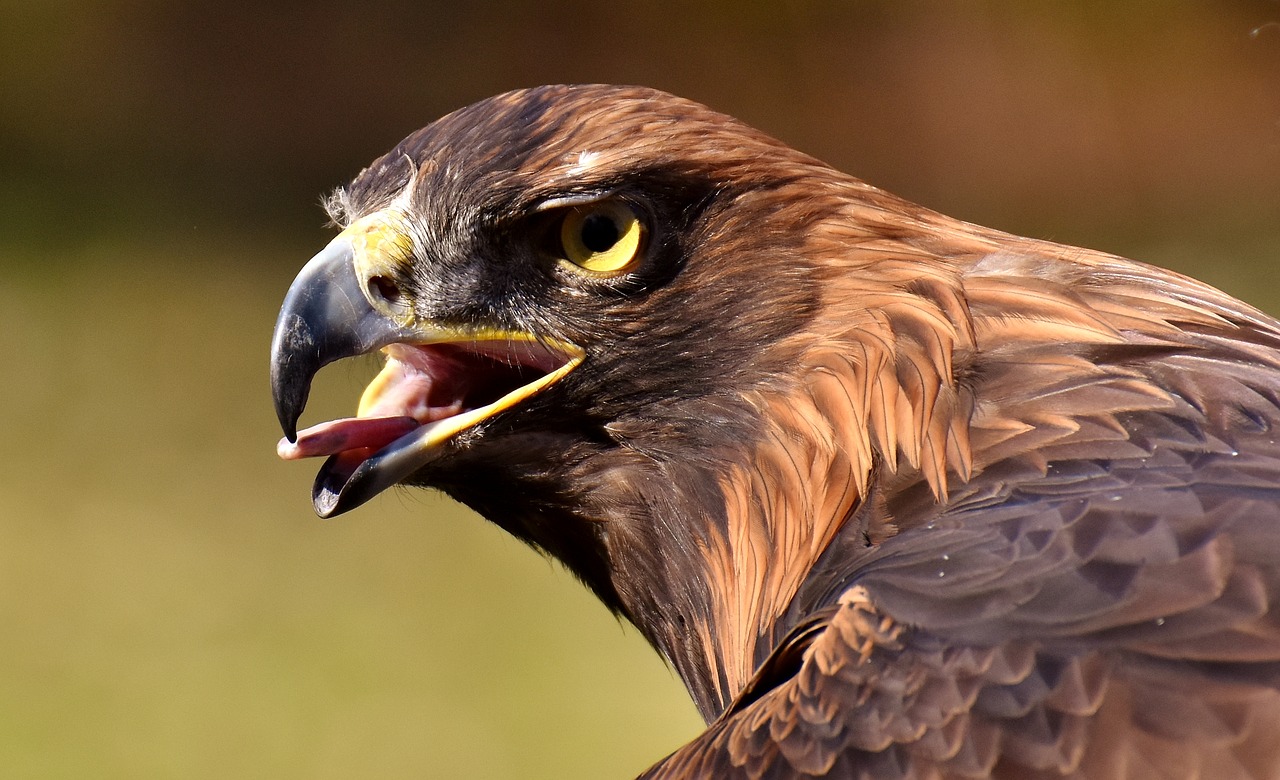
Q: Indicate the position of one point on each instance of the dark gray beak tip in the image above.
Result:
(325, 317)
(338, 488)
(294, 361)
(325, 498)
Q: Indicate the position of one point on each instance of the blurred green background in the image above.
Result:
(171, 607)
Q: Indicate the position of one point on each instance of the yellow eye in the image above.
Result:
(601, 237)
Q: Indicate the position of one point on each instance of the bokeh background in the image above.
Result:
(169, 606)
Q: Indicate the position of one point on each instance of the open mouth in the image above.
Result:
(424, 396)
(438, 381)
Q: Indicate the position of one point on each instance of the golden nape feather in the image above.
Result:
(897, 496)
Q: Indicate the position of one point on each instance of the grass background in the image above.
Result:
(169, 605)
(173, 609)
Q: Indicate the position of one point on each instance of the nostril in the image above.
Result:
(386, 289)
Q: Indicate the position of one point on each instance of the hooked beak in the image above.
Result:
(437, 381)
(326, 316)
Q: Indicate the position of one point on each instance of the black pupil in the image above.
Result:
(599, 232)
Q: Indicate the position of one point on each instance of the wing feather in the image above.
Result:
(1095, 601)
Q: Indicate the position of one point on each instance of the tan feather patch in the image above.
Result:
(879, 388)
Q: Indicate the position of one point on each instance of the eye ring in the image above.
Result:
(601, 238)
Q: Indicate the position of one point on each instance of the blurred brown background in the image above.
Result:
(169, 605)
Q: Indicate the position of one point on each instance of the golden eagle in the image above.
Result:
(896, 495)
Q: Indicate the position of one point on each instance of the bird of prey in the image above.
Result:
(897, 496)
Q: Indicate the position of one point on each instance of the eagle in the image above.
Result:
(896, 495)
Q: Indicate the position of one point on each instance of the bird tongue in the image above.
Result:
(416, 386)
(419, 385)
(335, 436)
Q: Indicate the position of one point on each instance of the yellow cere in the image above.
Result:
(601, 237)
(381, 247)
(380, 241)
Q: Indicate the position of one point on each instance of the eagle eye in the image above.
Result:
(601, 237)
